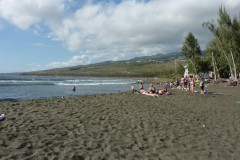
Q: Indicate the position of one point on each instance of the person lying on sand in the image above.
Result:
(163, 91)
(142, 91)
(153, 92)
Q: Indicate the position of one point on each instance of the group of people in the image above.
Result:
(186, 84)
(189, 83)
(152, 91)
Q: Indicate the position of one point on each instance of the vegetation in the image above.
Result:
(191, 50)
(222, 53)
(224, 49)
(132, 68)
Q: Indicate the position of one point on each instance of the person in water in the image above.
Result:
(133, 88)
(74, 88)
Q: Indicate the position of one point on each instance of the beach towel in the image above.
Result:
(206, 92)
(197, 91)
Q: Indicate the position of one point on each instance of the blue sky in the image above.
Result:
(44, 34)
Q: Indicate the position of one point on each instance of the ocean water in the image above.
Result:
(16, 87)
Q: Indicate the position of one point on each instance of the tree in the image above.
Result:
(180, 69)
(191, 50)
(227, 39)
(236, 42)
(212, 52)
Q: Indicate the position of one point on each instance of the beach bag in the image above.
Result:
(2, 117)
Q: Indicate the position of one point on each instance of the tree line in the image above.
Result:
(222, 54)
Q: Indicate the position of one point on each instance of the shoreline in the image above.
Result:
(27, 88)
(124, 126)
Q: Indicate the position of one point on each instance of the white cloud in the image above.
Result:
(117, 31)
(41, 45)
(136, 26)
(25, 13)
(75, 60)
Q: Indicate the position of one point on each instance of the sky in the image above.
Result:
(44, 34)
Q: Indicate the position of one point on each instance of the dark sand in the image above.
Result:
(182, 126)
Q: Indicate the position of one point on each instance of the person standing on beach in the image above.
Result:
(185, 83)
(141, 86)
(182, 79)
(202, 85)
(177, 83)
(191, 83)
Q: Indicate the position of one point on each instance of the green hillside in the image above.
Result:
(149, 66)
(159, 57)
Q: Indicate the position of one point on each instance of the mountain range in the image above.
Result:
(145, 66)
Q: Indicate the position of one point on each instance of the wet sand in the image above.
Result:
(180, 126)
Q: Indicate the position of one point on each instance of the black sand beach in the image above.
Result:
(180, 126)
